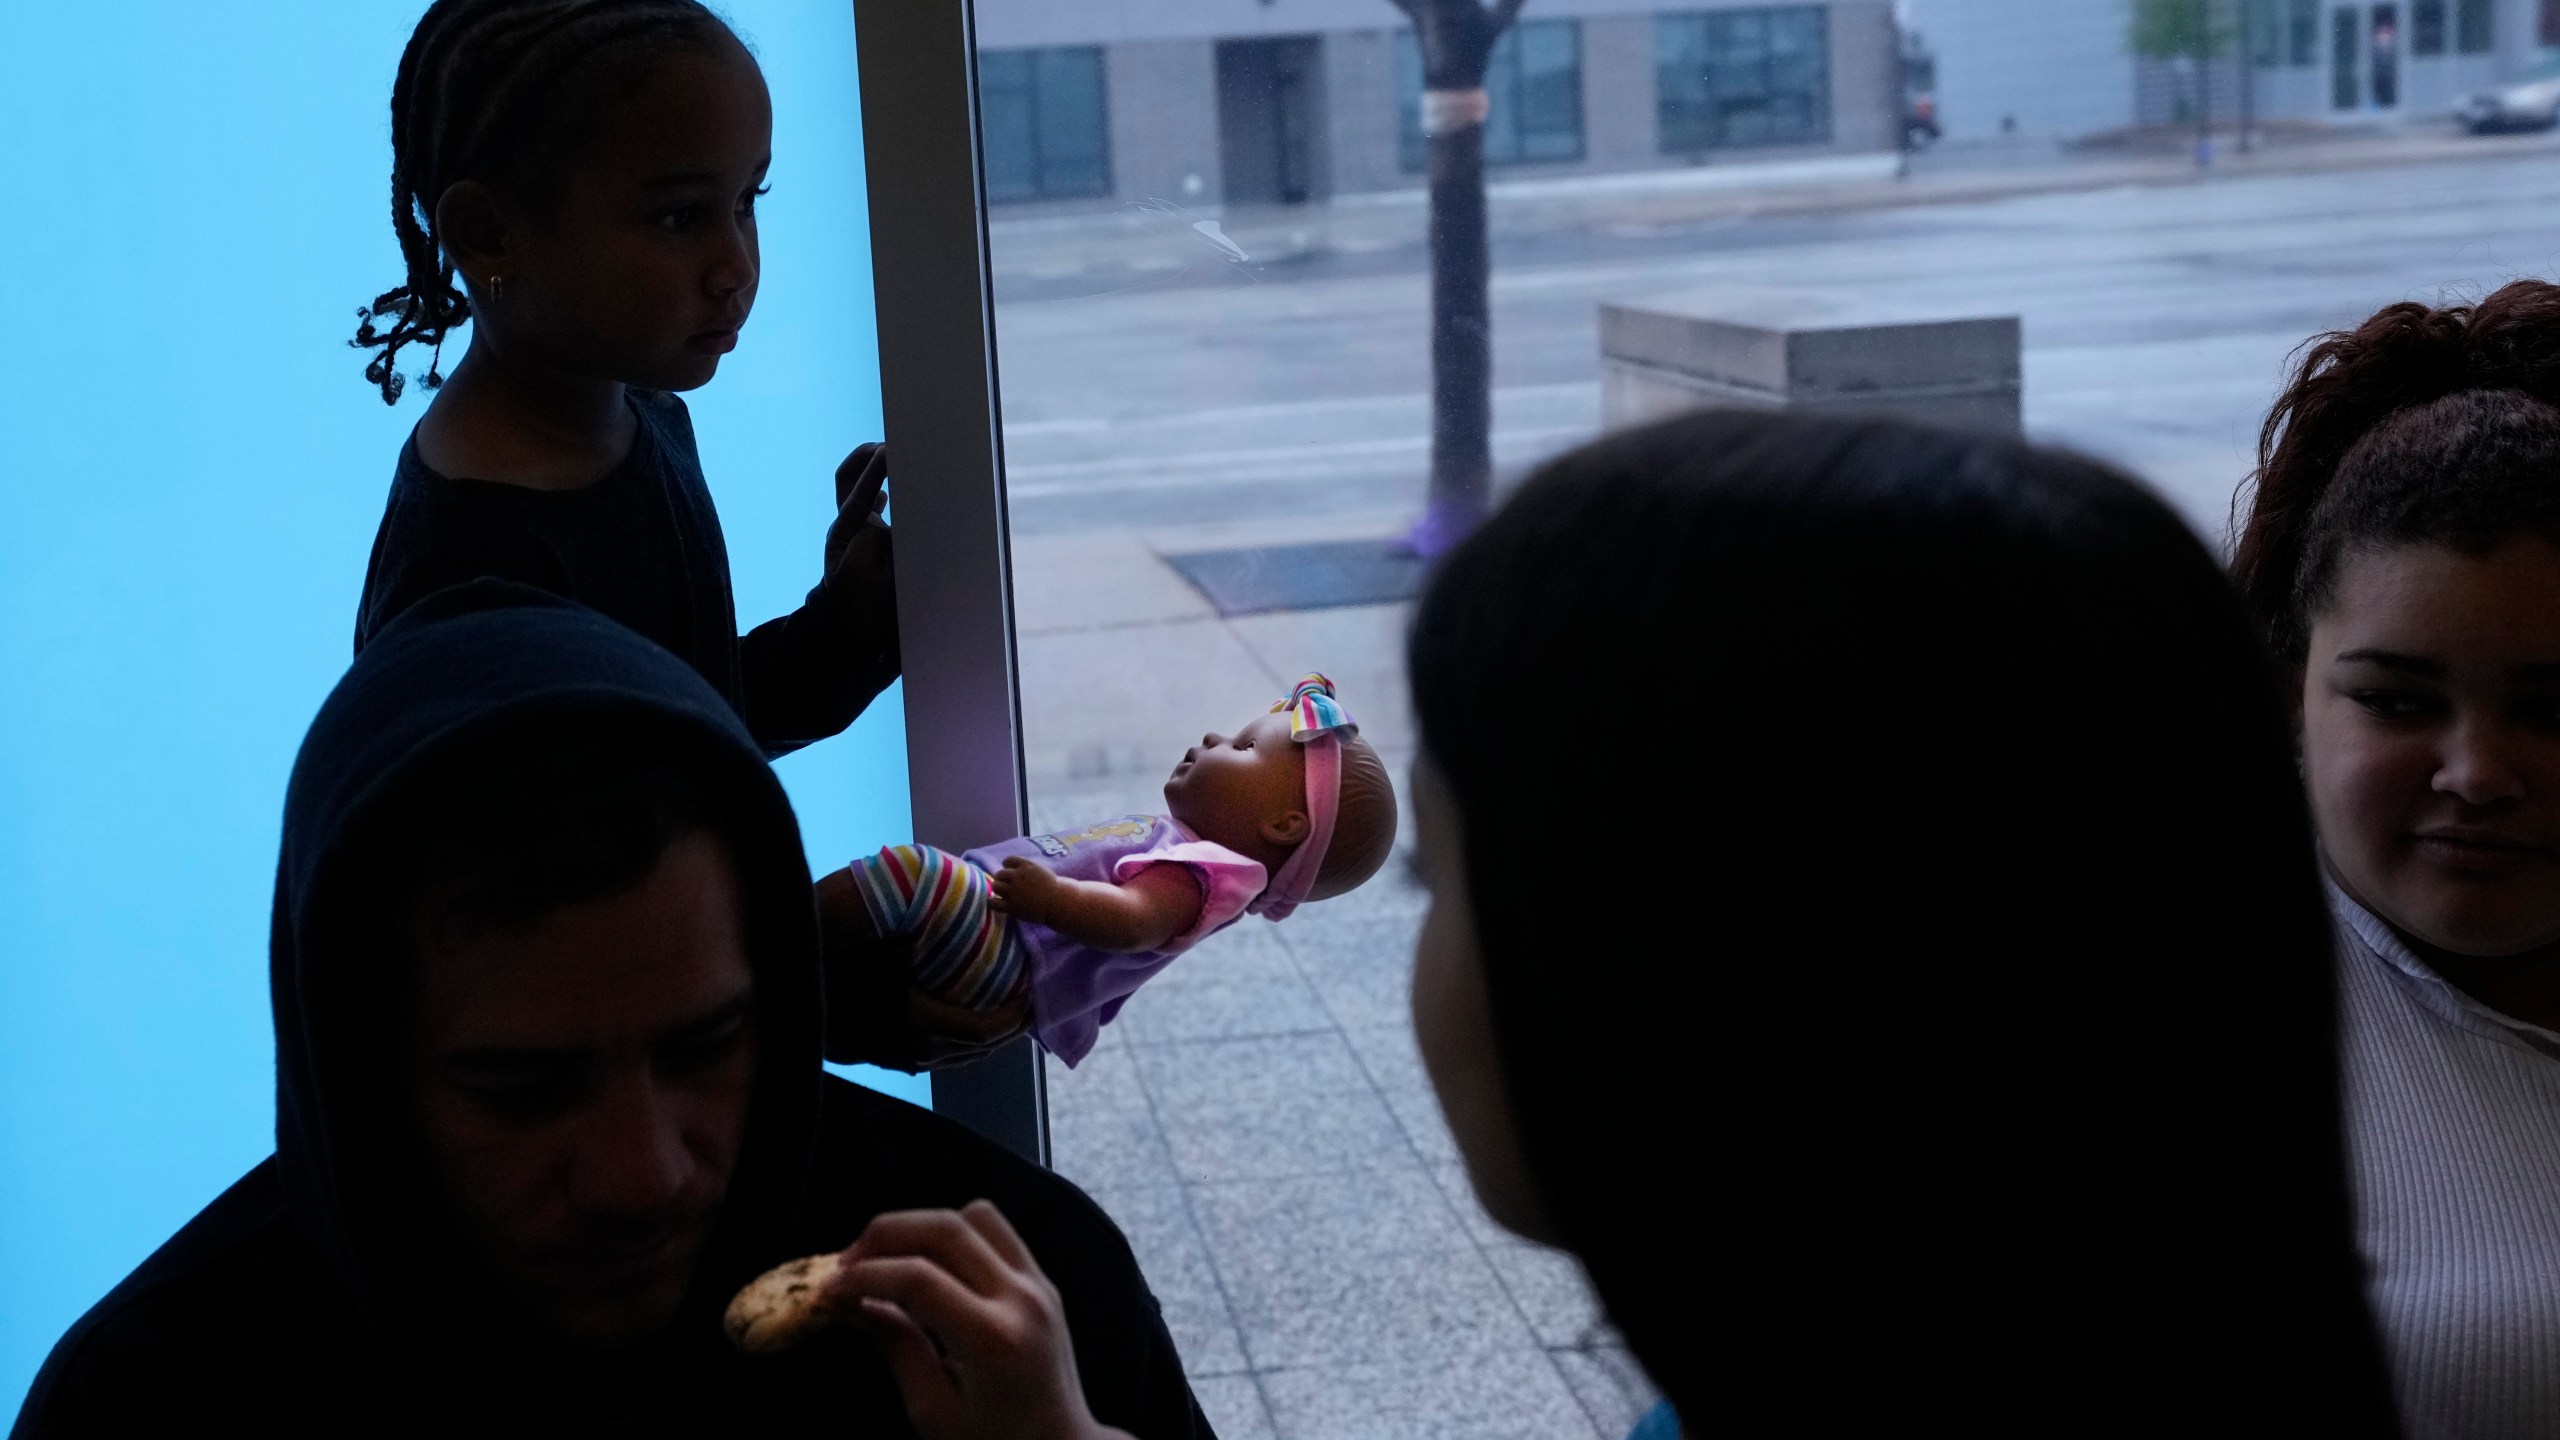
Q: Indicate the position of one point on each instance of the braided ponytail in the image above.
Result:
(2419, 425)
(481, 93)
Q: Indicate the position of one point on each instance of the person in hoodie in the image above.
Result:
(548, 1022)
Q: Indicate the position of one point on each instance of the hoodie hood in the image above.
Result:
(477, 667)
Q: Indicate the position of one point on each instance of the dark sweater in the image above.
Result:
(325, 1294)
(643, 546)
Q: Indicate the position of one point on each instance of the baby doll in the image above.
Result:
(1293, 807)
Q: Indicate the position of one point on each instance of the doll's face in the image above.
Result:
(1246, 791)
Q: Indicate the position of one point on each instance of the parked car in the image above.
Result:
(2532, 103)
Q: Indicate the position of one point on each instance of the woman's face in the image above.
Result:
(2431, 742)
(1453, 1021)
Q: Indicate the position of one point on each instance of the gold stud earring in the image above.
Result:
(497, 287)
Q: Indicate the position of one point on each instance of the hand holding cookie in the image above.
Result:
(974, 1332)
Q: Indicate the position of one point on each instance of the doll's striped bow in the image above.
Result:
(1314, 711)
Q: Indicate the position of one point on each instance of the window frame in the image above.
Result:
(940, 411)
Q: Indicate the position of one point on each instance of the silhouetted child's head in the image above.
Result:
(1296, 776)
(587, 170)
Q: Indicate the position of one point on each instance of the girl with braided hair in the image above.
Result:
(2401, 548)
(576, 180)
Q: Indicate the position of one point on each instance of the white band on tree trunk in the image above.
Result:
(1446, 112)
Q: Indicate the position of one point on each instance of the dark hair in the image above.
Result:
(484, 90)
(1898, 912)
(2419, 426)
(495, 839)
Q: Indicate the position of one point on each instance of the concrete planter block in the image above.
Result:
(1806, 351)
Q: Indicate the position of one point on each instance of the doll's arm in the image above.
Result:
(1143, 912)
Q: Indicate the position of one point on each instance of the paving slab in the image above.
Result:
(1241, 982)
(1496, 1395)
(1234, 1406)
(1157, 1220)
(1267, 1108)
(1127, 701)
(1096, 580)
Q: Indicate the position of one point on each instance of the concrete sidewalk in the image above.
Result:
(1155, 237)
(1257, 1120)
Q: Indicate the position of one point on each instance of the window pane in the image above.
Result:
(1043, 123)
(1007, 125)
(1502, 96)
(1408, 67)
(1550, 90)
(1743, 78)
(1533, 85)
(2475, 29)
(2303, 31)
(1074, 157)
(2426, 27)
(2263, 33)
(2344, 70)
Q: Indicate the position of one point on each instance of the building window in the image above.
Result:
(2344, 53)
(1533, 82)
(2426, 27)
(1743, 77)
(2549, 31)
(1040, 117)
(2302, 32)
(2262, 33)
(2475, 30)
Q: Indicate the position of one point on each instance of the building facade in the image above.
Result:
(2065, 69)
(1209, 102)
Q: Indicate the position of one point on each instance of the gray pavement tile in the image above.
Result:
(1551, 1291)
(1096, 579)
(1497, 1395)
(1058, 803)
(1158, 1224)
(1352, 1266)
(1106, 1083)
(1240, 981)
(1265, 1107)
(1610, 1384)
(1360, 647)
(1396, 1307)
(1108, 1150)
(1361, 968)
(1102, 1133)
(1129, 701)
(1269, 1228)
(1394, 1064)
(1234, 1406)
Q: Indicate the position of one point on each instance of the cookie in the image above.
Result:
(780, 1307)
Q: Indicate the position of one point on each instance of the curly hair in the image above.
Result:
(2422, 425)
(485, 91)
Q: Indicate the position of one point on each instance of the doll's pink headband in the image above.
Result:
(1319, 724)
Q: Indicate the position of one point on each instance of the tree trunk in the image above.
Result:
(1461, 343)
(1457, 38)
